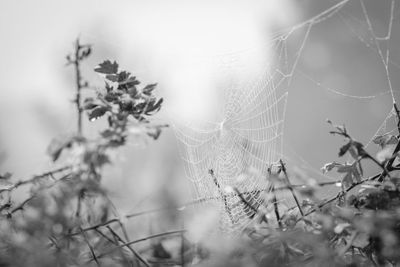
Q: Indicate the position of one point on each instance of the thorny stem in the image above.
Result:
(78, 84)
(34, 178)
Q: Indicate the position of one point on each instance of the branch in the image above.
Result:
(276, 209)
(248, 204)
(33, 179)
(142, 239)
(134, 252)
(90, 248)
(94, 227)
(283, 168)
(337, 196)
(80, 53)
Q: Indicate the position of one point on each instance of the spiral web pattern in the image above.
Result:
(228, 160)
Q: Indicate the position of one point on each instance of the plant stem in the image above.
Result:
(78, 84)
(283, 168)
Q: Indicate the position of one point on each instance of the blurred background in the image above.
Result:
(338, 75)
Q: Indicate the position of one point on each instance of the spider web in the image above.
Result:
(228, 160)
(233, 155)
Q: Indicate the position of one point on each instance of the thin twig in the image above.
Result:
(222, 195)
(106, 237)
(182, 242)
(94, 227)
(34, 179)
(276, 208)
(141, 240)
(117, 239)
(21, 206)
(134, 252)
(248, 204)
(283, 168)
(372, 178)
(90, 248)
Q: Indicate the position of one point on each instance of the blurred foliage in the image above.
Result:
(67, 218)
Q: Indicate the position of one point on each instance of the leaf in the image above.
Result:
(344, 149)
(5, 176)
(123, 76)
(160, 252)
(330, 166)
(89, 103)
(56, 147)
(107, 133)
(361, 240)
(154, 131)
(385, 154)
(345, 168)
(108, 87)
(347, 180)
(383, 140)
(341, 227)
(107, 67)
(359, 147)
(111, 96)
(148, 89)
(352, 174)
(97, 112)
(153, 107)
(112, 77)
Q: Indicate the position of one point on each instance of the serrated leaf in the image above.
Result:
(89, 105)
(97, 112)
(123, 76)
(107, 133)
(111, 97)
(107, 67)
(154, 107)
(112, 77)
(148, 89)
(108, 87)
